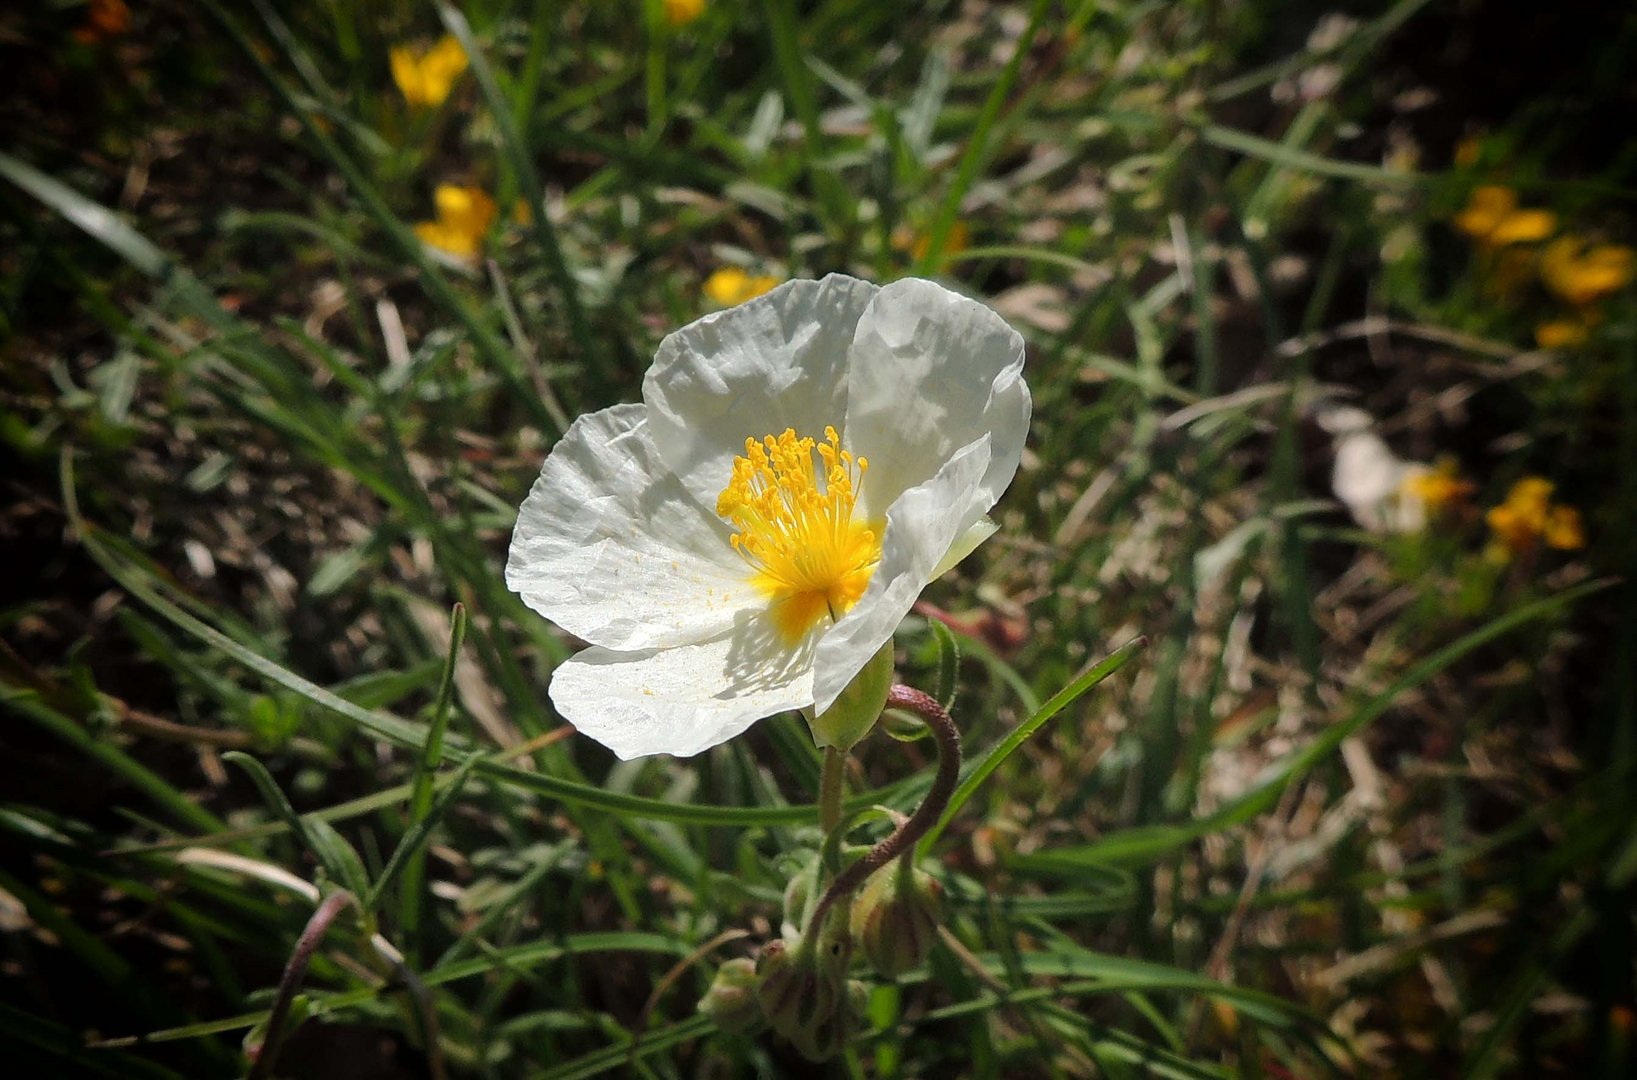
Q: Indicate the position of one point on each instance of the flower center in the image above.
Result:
(794, 513)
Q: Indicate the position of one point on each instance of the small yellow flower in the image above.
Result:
(464, 217)
(1436, 490)
(425, 78)
(1563, 530)
(1528, 517)
(1565, 333)
(1584, 275)
(1467, 151)
(958, 239)
(731, 286)
(1492, 218)
(683, 12)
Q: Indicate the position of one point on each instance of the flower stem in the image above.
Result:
(832, 784)
(932, 807)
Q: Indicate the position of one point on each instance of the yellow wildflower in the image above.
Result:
(1563, 530)
(1492, 218)
(1583, 275)
(425, 78)
(1565, 333)
(1528, 517)
(731, 286)
(683, 12)
(1438, 489)
(958, 239)
(464, 217)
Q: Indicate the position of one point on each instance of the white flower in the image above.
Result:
(747, 538)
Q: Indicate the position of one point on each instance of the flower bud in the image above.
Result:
(823, 1041)
(731, 999)
(798, 995)
(826, 1040)
(855, 712)
(895, 919)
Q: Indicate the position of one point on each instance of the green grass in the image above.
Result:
(1249, 790)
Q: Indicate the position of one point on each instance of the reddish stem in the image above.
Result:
(931, 808)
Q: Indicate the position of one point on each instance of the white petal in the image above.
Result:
(921, 527)
(611, 547)
(964, 545)
(778, 361)
(930, 371)
(685, 699)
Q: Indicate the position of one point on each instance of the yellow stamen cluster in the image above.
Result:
(796, 528)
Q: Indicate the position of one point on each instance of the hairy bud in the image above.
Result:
(895, 919)
(731, 999)
(803, 988)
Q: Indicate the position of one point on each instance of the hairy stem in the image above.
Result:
(832, 784)
(932, 807)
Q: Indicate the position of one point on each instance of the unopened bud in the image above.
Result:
(824, 1041)
(895, 919)
(803, 989)
(797, 994)
(731, 999)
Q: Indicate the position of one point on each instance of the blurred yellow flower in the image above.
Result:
(104, 19)
(1584, 275)
(464, 217)
(1467, 151)
(425, 78)
(1492, 217)
(1565, 333)
(1528, 517)
(919, 243)
(683, 12)
(1438, 489)
(731, 286)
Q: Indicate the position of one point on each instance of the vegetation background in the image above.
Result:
(1309, 288)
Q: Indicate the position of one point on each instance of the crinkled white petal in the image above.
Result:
(930, 369)
(774, 362)
(922, 526)
(685, 699)
(964, 545)
(612, 548)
